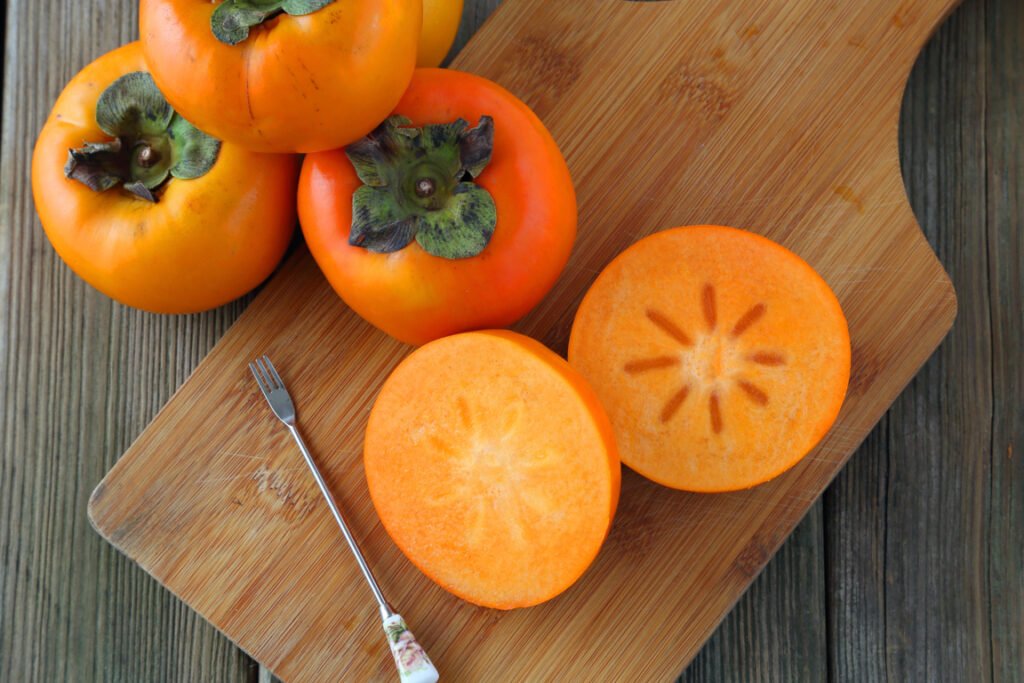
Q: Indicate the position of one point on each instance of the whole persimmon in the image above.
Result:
(148, 209)
(441, 19)
(457, 213)
(282, 75)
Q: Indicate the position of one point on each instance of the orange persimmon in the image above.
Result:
(441, 20)
(148, 209)
(287, 76)
(457, 213)
(722, 357)
(492, 465)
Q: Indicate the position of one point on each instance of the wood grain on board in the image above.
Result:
(777, 116)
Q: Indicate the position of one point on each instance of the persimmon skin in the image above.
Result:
(416, 297)
(441, 20)
(206, 241)
(296, 84)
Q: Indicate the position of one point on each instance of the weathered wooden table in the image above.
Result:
(911, 567)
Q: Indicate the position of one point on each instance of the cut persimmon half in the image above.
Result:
(721, 357)
(493, 467)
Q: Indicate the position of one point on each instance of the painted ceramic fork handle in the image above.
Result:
(414, 666)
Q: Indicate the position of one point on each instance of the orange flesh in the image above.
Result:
(721, 357)
(493, 467)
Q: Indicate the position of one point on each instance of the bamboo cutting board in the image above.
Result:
(775, 115)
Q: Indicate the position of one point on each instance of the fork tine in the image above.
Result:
(262, 362)
(259, 380)
(265, 376)
(273, 372)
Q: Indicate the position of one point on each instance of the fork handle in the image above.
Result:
(414, 666)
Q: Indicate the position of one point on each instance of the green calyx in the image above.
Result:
(418, 185)
(150, 144)
(233, 19)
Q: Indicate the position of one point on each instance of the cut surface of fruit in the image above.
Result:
(721, 357)
(493, 467)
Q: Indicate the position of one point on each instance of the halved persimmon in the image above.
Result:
(493, 467)
(721, 357)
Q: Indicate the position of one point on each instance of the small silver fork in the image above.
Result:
(414, 666)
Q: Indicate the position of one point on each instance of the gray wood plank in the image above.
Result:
(474, 14)
(855, 523)
(912, 523)
(81, 376)
(1004, 194)
(939, 445)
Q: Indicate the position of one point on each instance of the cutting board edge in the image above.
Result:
(177, 596)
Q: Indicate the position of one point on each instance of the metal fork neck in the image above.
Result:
(385, 609)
